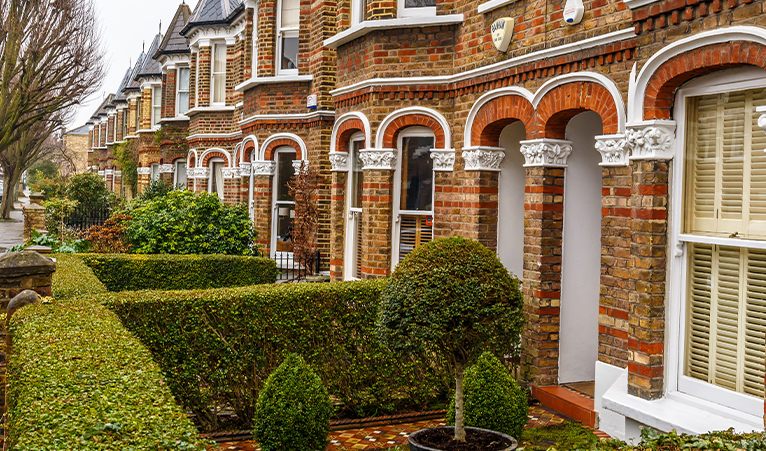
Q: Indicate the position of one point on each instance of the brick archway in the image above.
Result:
(273, 145)
(498, 113)
(391, 132)
(344, 132)
(564, 102)
(659, 96)
(248, 151)
(214, 154)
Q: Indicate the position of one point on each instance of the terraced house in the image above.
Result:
(610, 151)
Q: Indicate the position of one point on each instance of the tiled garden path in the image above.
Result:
(380, 437)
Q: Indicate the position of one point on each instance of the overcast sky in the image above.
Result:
(126, 26)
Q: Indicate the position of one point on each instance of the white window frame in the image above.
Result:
(156, 115)
(155, 172)
(728, 81)
(210, 186)
(175, 172)
(402, 12)
(358, 11)
(125, 123)
(114, 128)
(214, 48)
(254, 63)
(106, 132)
(179, 91)
(277, 203)
(139, 101)
(409, 132)
(196, 81)
(284, 32)
(353, 214)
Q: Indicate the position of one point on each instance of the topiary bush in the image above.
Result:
(493, 399)
(184, 222)
(293, 410)
(89, 191)
(452, 298)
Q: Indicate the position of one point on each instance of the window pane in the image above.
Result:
(183, 102)
(218, 170)
(417, 173)
(156, 96)
(219, 64)
(357, 175)
(219, 88)
(286, 172)
(155, 172)
(183, 79)
(181, 173)
(285, 217)
(291, 12)
(156, 116)
(289, 53)
(419, 3)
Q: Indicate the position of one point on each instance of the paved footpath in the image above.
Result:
(381, 437)
(12, 232)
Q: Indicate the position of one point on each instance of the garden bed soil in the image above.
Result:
(475, 440)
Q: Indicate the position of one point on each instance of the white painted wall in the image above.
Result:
(510, 227)
(581, 267)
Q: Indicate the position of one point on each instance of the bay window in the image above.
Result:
(287, 36)
(182, 94)
(413, 8)
(156, 105)
(218, 81)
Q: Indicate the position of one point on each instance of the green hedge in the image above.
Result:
(217, 347)
(124, 272)
(79, 380)
(652, 440)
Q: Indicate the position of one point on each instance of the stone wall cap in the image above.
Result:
(26, 263)
(26, 297)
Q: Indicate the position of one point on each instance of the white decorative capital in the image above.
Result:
(203, 173)
(444, 159)
(101, 173)
(651, 140)
(245, 169)
(118, 173)
(339, 161)
(228, 173)
(614, 150)
(167, 169)
(108, 172)
(144, 171)
(264, 167)
(546, 152)
(381, 159)
(297, 164)
(483, 158)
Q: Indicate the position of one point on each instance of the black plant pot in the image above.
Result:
(416, 446)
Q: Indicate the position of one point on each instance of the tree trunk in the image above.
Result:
(10, 179)
(459, 420)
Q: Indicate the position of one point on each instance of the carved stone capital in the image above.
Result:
(108, 172)
(144, 171)
(651, 140)
(444, 159)
(229, 173)
(546, 152)
(297, 166)
(245, 169)
(167, 169)
(483, 158)
(264, 167)
(381, 159)
(339, 162)
(614, 150)
(118, 173)
(203, 173)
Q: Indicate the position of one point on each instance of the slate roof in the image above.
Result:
(214, 12)
(102, 108)
(120, 96)
(174, 42)
(150, 67)
(134, 85)
(82, 130)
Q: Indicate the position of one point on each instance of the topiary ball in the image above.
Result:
(493, 400)
(293, 409)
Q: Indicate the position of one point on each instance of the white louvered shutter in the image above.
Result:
(755, 322)
(700, 296)
(701, 155)
(757, 173)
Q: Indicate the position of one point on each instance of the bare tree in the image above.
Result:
(50, 60)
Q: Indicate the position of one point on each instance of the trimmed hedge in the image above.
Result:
(124, 272)
(217, 347)
(79, 380)
(652, 440)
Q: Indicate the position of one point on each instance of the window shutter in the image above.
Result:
(755, 322)
(727, 317)
(701, 155)
(757, 185)
(700, 285)
(733, 139)
(414, 232)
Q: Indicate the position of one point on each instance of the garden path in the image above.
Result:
(12, 232)
(381, 437)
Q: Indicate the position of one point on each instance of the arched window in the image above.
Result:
(284, 203)
(355, 181)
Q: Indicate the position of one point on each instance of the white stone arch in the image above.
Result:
(638, 84)
(346, 117)
(276, 136)
(216, 149)
(192, 153)
(494, 94)
(414, 110)
(239, 155)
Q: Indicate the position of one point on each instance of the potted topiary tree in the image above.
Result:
(454, 299)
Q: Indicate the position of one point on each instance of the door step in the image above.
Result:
(571, 402)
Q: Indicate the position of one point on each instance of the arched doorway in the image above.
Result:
(511, 182)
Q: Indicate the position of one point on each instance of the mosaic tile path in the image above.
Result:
(381, 437)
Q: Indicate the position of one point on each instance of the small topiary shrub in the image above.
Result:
(293, 410)
(493, 399)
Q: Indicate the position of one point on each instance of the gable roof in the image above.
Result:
(150, 67)
(120, 96)
(174, 42)
(214, 12)
(101, 110)
(81, 130)
(133, 84)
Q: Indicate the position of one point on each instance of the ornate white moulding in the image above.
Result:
(144, 171)
(546, 152)
(444, 159)
(197, 173)
(230, 173)
(297, 164)
(118, 173)
(379, 159)
(167, 169)
(108, 172)
(651, 140)
(483, 158)
(614, 150)
(101, 173)
(339, 162)
(245, 169)
(263, 168)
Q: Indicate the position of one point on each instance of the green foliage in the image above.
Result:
(564, 436)
(56, 245)
(126, 157)
(120, 272)
(45, 169)
(89, 191)
(183, 222)
(652, 440)
(56, 210)
(493, 399)
(74, 278)
(293, 410)
(156, 189)
(217, 347)
(79, 380)
(452, 297)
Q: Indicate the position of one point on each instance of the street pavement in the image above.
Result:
(12, 232)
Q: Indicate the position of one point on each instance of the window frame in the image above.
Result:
(154, 175)
(353, 214)
(175, 172)
(214, 50)
(180, 91)
(276, 204)
(156, 115)
(292, 32)
(358, 11)
(424, 11)
(211, 178)
(139, 101)
(125, 123)
(731, 80)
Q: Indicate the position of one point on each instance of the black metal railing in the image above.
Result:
(296, 267)
(83, 218)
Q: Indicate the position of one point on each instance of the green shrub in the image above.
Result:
(293, 410)
(120, 272)
(493, 399)
(156, 189)
(89, 191)
(79, 380)
(563, 436)
(652, 440)
(74, 278)
(452, 297)
(217, 347)
(183, 222)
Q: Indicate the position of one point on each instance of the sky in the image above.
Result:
(126, 25)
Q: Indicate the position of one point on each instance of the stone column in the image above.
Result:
(34, 216)
(377, 211)
(339, 167)
(263, 171)
(481, 191)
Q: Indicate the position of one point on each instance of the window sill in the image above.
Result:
(209, 109)
(633, 4)
(684, 413)
(366, 27)
(721, 241)
(492, 5)
(255, 81)
(180, 118)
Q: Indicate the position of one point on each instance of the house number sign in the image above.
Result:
(502, 32)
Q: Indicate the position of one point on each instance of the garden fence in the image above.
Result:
(83, 218)
(295, 267)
